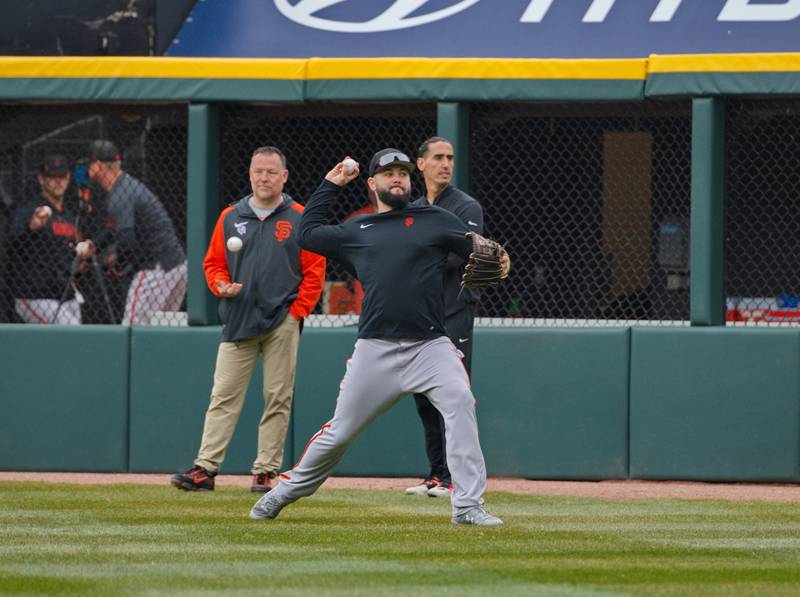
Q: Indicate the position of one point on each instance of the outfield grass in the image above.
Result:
(155, 540)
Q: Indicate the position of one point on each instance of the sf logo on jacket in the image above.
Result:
(283, 230)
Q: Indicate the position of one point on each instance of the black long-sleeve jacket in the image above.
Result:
(470, 212)
(399, 257)
(39, 261)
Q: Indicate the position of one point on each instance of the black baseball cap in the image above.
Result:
(103, 151)
(54, 165)
(386, 158)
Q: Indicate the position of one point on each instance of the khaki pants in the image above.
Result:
(235, 364)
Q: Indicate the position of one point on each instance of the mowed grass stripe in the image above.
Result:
(155, 540)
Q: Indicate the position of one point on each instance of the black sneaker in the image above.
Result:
(197, 478)
(261, 482)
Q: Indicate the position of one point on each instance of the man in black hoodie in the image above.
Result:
(399, 255)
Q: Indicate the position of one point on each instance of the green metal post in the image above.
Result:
(452, 123)
(202, 207)
(708, 213)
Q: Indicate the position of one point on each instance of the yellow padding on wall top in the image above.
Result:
(389, 68)
(475, 68)
(320, 68)
(151, 67)
(721, 63)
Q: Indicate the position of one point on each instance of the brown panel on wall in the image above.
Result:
(627, 204)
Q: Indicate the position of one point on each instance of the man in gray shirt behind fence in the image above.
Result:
(143, 239)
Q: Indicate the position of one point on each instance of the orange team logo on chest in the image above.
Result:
(63, 229)
(409, 221)
(283, 230)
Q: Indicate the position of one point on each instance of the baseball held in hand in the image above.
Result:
(46, 211)
(83, 248)
(234, 244)
(349, 165)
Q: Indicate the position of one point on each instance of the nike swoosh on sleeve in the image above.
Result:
(471, 223)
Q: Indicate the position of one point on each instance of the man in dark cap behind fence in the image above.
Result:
(143, 238)
(41, 250)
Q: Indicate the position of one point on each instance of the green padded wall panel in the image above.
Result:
(171, 376)
(715, 404)
(553, 403)
(64, 394)
(710, 404)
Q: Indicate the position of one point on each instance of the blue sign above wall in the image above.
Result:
(486, 28)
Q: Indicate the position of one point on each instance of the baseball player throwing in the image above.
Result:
(399, 255)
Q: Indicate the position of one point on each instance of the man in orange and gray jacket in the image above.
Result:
(266, 288)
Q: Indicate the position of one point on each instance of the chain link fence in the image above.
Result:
(763, 212)
(592, 202)
(52, 199)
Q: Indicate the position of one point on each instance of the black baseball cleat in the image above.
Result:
(261, 483)
(197, 478)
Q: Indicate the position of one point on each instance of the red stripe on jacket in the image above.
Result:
(312, 267)
(215, 263)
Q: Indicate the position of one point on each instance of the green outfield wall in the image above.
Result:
(644, 403)
(553, 404)
(715, 404)
(64, 395)
(696, 402)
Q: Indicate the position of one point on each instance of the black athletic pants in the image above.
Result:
(459, 330)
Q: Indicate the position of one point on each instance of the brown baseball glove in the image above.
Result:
(485, 265)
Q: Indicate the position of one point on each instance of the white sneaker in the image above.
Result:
(422, 488)
(441, 490)
(477, 516)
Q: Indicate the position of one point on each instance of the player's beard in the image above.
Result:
(394, 200)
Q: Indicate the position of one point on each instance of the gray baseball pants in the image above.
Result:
(378, 375)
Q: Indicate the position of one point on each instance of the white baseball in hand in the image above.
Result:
(47, 211)
(349, 165)
(82, 248)
(234, 244)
